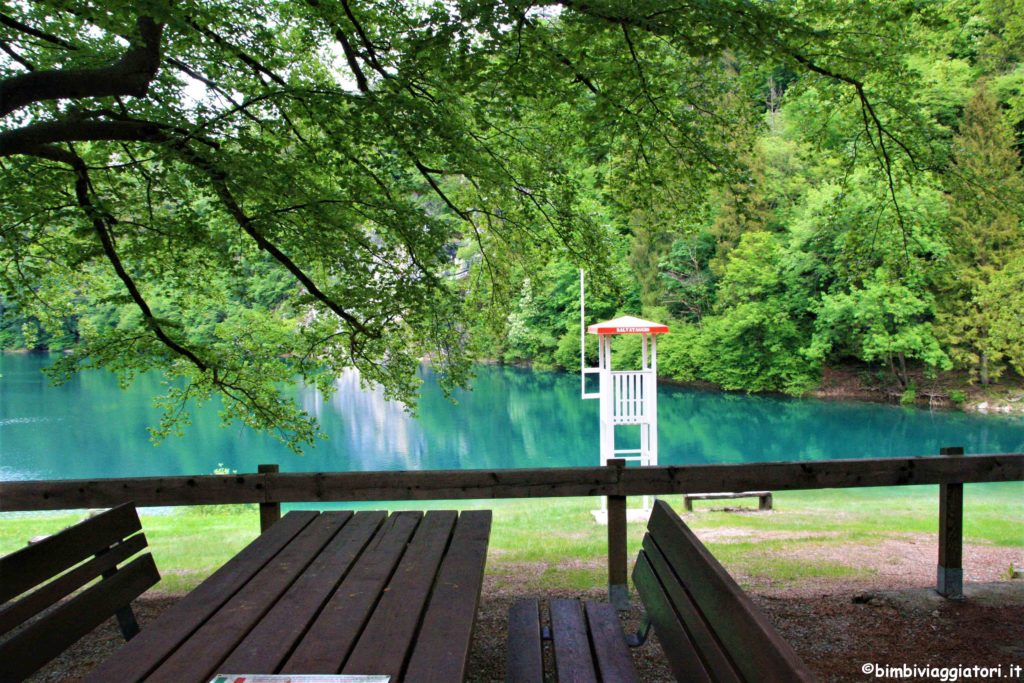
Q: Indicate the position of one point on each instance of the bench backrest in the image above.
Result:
(709, 629)
(35, 578)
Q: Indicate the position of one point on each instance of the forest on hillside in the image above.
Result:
(813, 254)
(242, 195)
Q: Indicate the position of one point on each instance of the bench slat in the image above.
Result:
(574, 662)
(331, 637)
(614, 663)
(35, 602)
(525, 656)
(30, 566)
(760, 653)
(448, 623)
(268, 644)
(387, 638)
(715, 659)
(44, 639)
(675, 641)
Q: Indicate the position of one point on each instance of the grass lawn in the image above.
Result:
(553, 543)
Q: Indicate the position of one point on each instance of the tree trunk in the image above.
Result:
(904, 380)
(983, 368)
(895, 372)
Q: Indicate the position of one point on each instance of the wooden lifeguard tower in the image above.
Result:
(627, 397)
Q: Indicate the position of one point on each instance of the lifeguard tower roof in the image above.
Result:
(627, 324)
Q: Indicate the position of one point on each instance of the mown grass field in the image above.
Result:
(553, 543)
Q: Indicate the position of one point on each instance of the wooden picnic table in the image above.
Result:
(326, 593)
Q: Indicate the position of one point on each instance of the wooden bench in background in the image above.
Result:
(34, 579)
(764, 498)
(708, 628)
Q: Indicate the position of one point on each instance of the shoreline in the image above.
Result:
(838, 383)
(842, 383)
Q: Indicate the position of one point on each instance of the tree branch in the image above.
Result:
(13, 54)
(371, 52)
(353, 63)
(130, 75)
(75, 129)
(871, 121)
(212, 85)
(861, 95)
(101, 225)
(243, 56)
(20, 27)
(218, 179)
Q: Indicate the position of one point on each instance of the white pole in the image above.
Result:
(654, 400)
(583, 343)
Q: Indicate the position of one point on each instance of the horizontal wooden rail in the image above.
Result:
(514, 483)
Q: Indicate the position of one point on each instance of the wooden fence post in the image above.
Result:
(618, 577)
(950, 576)
(269, 512)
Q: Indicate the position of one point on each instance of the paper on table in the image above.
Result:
(296, 678)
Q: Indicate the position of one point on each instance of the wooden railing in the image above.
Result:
(270, 488)
(322, 487)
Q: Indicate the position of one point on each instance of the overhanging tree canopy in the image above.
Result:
(276, 189)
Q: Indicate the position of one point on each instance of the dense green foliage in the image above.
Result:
(814, 253)
(244, 194)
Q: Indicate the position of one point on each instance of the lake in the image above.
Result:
(512, 418)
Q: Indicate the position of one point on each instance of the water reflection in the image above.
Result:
(511, 418)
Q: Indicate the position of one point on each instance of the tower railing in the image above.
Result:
(631, 390)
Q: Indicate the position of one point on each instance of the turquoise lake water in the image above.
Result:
(512, 418)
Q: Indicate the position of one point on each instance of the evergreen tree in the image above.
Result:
(743, 206)
(985, 190)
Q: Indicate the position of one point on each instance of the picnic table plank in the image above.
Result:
(199, 657)
(328, 593)
(442, 646)
(147, 650)
(268, 644)
(388, 635)
(329, 640)
(573, 662)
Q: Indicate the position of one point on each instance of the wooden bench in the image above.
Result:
(34, 579)
(708, 628)
(764, 498)
(586, 641)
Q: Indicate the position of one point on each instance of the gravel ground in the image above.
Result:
(836, 624)
(835, 627)
(836, 631)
